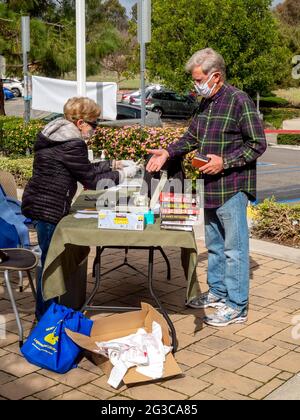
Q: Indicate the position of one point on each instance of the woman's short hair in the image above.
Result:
(81, 108)
(209, 60)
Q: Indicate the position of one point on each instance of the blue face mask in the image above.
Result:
(203, 89)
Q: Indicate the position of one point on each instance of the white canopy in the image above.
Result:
(51, 95)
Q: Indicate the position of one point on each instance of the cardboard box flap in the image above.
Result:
(171, 368)
(118, 323)
(154, 315)
(121, 325)
(83, 341)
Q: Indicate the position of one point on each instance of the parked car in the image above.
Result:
(170, 104)
(126, 115)
(8, 94)
(130, 115)
(134, 98)
(15, 86)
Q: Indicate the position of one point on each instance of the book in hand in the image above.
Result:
(200, 160)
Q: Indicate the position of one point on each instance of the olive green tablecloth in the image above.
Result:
(73, 238)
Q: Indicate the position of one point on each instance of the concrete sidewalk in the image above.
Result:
(248, 361)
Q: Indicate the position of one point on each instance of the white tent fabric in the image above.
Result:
(51, 95)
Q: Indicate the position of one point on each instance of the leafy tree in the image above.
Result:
(35, 8)
(289, 12)
(288, 16)
(43, 58)
(53, 35)
(121, 61)
(102, 37)
(243, 31)
(115, 13)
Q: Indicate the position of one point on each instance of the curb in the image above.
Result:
(279, 252)
(290, 390)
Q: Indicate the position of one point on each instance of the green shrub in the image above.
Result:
(277, 222)
(21, 168)
(292, 139)
(273, 101)
(16, 137)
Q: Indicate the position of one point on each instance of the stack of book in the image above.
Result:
(178, 211)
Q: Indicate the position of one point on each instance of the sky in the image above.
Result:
(129, 3)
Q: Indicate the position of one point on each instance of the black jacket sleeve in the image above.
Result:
(101, 167)
(75, 159)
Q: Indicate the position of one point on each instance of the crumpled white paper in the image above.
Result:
(142, 349)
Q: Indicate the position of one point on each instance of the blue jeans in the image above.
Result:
(45, 232)
(227, 241)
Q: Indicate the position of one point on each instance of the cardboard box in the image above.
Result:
(121, 325)
(122, 221)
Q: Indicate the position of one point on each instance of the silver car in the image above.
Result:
(135, 97)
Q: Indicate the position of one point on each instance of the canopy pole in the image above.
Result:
(80, 48)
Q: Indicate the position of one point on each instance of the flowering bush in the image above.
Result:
(16, 137)
(132, 142)
(277, 222)
(129, 142)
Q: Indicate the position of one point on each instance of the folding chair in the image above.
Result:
(19, 259)
(9, 186)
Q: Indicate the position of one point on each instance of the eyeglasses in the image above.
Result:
(93, 124)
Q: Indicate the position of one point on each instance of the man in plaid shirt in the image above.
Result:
(228, 130)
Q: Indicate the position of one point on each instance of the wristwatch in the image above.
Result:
(225, 164)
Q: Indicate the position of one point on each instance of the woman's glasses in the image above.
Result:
(93, 124)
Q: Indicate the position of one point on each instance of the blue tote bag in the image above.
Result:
(9, 237)
(48, 346)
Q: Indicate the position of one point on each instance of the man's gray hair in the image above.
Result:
(209, 60)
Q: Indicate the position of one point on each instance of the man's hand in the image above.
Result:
(159, 158)
(214, 166)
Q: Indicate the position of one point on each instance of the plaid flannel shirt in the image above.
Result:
(226, 125)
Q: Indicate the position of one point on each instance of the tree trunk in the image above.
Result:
(2, 109)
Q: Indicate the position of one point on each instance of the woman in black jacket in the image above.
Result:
(60, 161)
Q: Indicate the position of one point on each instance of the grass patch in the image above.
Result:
(274, 117)
(292, 95)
